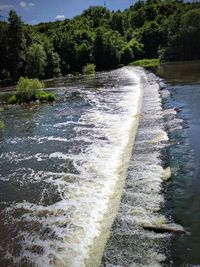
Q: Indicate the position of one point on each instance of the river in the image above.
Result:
(66, 166)
(183, 83)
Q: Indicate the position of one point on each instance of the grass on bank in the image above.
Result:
(147, 63)
(30, 90)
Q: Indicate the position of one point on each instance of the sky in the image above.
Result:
(35, 11)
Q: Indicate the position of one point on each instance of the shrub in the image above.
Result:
(89, 69)
(51, 97)
(44, 96)
(28, 88)
(12, 99)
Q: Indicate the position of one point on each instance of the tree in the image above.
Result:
(148, 29)
(150, 37)
(126, 55)
(16, 45)
(83, 55)
(52, 68)
(36, 61)
(137, 48)
(117, 22)
(64, 46)
(107, 49)
(99, 15)
(4, 68)
(190, 35)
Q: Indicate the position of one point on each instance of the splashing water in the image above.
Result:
(63, 171)
(143, 196)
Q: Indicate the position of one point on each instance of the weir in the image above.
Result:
(76, 166)
(130, 244)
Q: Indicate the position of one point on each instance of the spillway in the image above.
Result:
(65, 167)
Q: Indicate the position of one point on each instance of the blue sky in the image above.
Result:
(35, 11)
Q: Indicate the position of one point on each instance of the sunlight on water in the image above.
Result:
(143, 195)
(67, 170)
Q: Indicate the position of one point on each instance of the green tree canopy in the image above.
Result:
(36, 61)
(16, 45)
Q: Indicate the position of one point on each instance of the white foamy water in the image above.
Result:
(143, 197)
(73, 230)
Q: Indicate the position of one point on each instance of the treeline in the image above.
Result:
(168, 29)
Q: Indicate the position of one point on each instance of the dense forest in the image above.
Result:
(168, 29)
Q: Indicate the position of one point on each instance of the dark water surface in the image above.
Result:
(62, 170)
(183, 83)
(64, 167)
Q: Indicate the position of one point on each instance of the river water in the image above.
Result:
(65, 166)
(183, 84)
(179, 116)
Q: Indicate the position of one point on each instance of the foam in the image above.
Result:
(80, 222)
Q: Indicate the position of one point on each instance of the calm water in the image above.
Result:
(183, 84)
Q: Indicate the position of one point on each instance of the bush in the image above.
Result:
(28, 88)
(12, 99)
(51, 97)
(44, 96)
(89, 69)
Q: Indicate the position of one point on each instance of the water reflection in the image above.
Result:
(180, 72)
(183, 83)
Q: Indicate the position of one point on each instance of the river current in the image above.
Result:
(82, 178)
(62, 171)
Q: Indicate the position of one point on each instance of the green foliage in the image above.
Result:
(89, 69)
(82, 53)
(126, 55)
(99, 15)
(137, 48)
(117, 22)
(147, 63)
(190, 34)
(28, 88)
(12, 100)
(35, 61)
(43, 96)
(150, 37)
(107, 49)
(52, 68)
(168, 29)
(16, 45)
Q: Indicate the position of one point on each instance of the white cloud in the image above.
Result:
(60, 17)
(26, 5)
(23, 4)
(6, 7)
